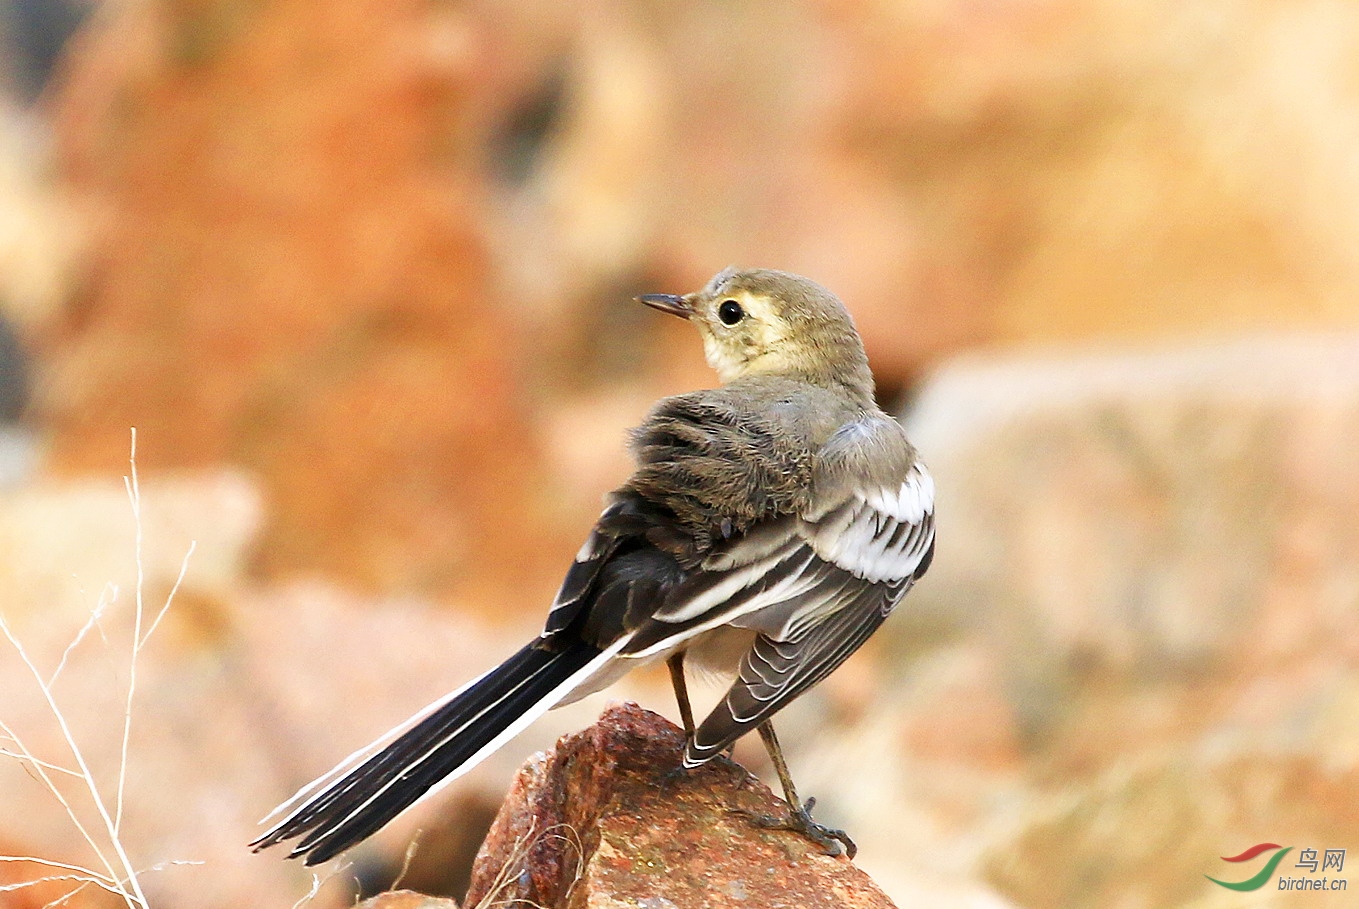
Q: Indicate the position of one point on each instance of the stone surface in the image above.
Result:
(388, 266)
(1141, 611)
(290, 273)
(408, 899)
(34, 885)
(598, 823)
(1159, 515)
(1146, 832)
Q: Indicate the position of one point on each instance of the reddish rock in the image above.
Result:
(290, 272)
(407, 899)
(599, 822)
(355, 246)
(1145, 559)
(36, 885)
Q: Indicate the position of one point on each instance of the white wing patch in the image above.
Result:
(881, 534)
(710, 603)
(910, 501)
(735, 581)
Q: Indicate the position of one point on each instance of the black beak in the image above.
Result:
(675, 305)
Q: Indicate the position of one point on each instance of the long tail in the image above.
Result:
(374, 785)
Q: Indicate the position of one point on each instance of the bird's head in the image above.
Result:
(765, 322)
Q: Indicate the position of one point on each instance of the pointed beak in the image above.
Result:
(675, 305)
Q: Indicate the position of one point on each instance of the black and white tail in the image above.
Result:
(377, 783)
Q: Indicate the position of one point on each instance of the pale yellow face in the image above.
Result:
(743, 333)
(761, 322)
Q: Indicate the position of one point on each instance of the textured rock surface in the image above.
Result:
(1142, 612)
(598, 823)
(325, 241)
(243, 694)
(291, 274)
(1146, 832)
(381, 253)
(407, 899)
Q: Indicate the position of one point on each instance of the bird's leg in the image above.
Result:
(676, 665)
(799, 813)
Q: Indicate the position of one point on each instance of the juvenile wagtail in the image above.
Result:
(770, 527)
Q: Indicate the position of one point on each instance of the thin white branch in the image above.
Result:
(112, 856)
(136, 895)
(25, 757)
(106, 597)
(183, 569)
(411, 849)
(52, 878)
(317, 882)
(65, 897)
(98, 878)
(134, 494)
(311, 893)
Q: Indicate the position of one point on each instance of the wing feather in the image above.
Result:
(864, 555)
(798, 571)
(775, 672)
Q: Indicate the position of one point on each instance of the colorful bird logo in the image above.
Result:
(1258, 881)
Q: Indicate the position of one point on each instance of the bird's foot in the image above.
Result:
(799, 820)
(672, 777)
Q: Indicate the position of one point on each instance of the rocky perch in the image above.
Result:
(600, 822)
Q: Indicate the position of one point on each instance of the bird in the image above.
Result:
(770, 526)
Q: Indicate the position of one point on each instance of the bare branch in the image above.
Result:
(106, 597)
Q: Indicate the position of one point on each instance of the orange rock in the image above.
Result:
(407, 899)
(291, 273)
(35, 885)
(332, 241)
(598, 822)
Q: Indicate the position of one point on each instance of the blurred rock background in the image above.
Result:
(360, 275)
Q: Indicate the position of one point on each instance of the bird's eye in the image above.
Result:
(730, 312)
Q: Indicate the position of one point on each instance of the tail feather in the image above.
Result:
(348, 805)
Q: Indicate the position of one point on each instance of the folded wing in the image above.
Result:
(844, 573)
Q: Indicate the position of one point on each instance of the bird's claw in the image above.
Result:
(799, 820)
(673, 777)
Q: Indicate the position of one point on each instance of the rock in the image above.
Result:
(1146, 832)
(64, 542)
(290, 273)
(407, 899)
(1151, 514)
(1146, 572)
(372, 264)
(597, 822)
